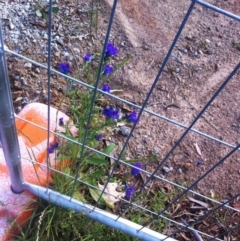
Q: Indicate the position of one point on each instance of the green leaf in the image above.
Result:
(107, 150)
(55, 9)
(99, 159)
(96, 161)
(38, 13)
(95, 195)
(98, 173)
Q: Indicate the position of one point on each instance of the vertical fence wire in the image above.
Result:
(94, 212)
(49, 49)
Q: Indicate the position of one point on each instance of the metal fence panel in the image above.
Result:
(11, 148)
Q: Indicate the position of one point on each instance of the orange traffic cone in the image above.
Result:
(15, 209)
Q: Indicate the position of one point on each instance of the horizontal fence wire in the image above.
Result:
(117, 161)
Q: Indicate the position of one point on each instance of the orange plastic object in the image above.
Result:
(15, 209)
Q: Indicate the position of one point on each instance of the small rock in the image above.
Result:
(189, 37)
(25, 100)
(167, 169)
(195, 54)
(207, 41)
(156, 149)
(38, 92)
(28, 65)
(76, 50)
(45, 36)
(219, 44)
(125, 131)
(11, 25)
(148, 133)
(180, 170)
(22, 81)
(177, 70)
(185, 51)
(123, 43)
(65, 54)
(187, 165)
(19, 108)
(37, 70)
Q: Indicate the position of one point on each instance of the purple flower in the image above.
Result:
(61, 123)
(135, 171)
(108, 69)
(98, 137)
(73, 87)
(111, 50)
(164, 172)
(129, 191)
(111, 113)
(132, 117)
(52, 147)
(64, 68)
(106, 88)
(199, 163)
(88, 58)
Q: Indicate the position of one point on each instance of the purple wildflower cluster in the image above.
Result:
(111, 113)
(98, 137)
(111, 50)
(64, 67)
(132, 117)
(136, 171)
(108, 69)
(52, 147)
(88, 58)
(106, 88)
(129, 190)
(60, 122)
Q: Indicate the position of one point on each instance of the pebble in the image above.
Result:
(195, 53)
(148, 133)
(207, 41)
(28, 65)
(19, 108)
(125, 131)
(22, 81)
(189, 37)
(180, 170)
(123, 43)
(177, 70)
(156, 149)
(185, 51)
(167, 169)
(11, 26)
(76, 50)
(25, 100)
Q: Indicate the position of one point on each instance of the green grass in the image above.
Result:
(59, 224)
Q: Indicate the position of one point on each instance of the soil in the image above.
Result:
(204, 56)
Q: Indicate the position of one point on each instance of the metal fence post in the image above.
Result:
(8, 133)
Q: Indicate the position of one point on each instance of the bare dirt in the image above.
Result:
(205, 54)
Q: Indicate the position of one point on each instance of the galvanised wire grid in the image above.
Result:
(9, 140)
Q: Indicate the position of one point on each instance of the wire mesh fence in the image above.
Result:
(135, 206)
